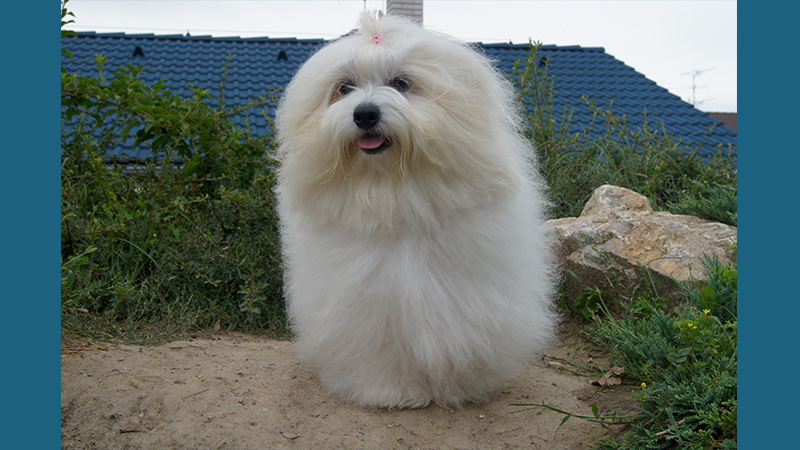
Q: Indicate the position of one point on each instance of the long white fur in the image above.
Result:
(422, 273)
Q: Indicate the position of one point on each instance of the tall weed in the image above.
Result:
(576, 160)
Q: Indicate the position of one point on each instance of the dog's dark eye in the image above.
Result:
(346, 87)
(400, 84)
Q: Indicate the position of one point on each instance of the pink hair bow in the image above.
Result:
(376, 39)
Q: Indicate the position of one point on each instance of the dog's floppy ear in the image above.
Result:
(310, 89)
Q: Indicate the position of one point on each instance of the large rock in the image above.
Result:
(618, 233)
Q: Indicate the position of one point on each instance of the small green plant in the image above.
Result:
(711, 201)
(586, 304)
(719, 294)
(604, 418)
(633, 297)
(66, 21)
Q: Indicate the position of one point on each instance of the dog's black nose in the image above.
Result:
(366, 116)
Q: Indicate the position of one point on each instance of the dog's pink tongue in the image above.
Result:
(370, 142)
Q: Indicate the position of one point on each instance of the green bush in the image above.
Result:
(684, 361)
(648, 160)
(708, 201)
(719, 294)
(182, 241)
(687, 364)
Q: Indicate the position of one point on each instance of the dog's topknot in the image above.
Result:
(370, 23)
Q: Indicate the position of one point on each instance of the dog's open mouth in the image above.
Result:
(372, 144)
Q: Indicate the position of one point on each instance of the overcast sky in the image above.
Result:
(668, 41)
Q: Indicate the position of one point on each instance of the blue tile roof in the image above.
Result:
(262, 64)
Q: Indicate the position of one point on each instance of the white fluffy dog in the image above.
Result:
(417, 263)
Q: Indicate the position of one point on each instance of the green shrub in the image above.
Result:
(687, 364)
(178, 242)
(708, 201)
(648, 160)
(719, 294)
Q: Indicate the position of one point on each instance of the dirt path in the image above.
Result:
(237, 391)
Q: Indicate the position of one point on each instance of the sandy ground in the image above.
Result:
(238, 391)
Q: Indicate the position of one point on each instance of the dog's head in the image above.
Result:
(393, 102)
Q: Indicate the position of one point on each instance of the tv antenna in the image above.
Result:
(695, 74)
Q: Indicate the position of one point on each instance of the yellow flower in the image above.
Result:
(706, 311)
(644, 385)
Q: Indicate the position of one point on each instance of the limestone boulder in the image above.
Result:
(618, 233)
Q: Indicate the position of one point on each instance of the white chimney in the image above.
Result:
(408, 8)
